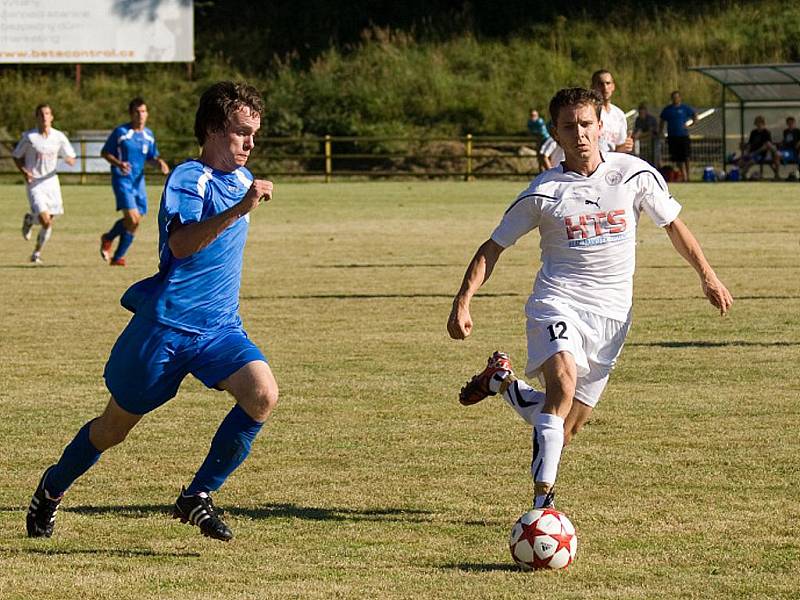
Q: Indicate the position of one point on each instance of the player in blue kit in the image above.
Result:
(186, 318)
(127, 149)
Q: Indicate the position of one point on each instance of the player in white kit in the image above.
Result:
(614, 136)
(587, 210)
(36, 156)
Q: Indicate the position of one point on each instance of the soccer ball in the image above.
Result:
(543, 538)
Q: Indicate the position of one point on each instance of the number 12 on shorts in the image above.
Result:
(558, 331)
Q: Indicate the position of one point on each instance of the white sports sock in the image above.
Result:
(41, 239)
(548, 441)
(527, 401)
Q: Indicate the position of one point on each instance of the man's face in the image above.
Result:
(790, 122)
(44, 117)
(139, 116)
(605, 86)
(231, 147)
(578, 131)
(642, 113)
(534, 115)
(676, 98)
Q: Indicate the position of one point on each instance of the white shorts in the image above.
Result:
(594, 341)
(45, 196)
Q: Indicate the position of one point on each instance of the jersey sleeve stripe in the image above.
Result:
(202, 181)
(521, 198)
(649, 172)
(246, 181)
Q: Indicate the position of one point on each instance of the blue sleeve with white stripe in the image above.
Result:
(184, 194)
(110, 146)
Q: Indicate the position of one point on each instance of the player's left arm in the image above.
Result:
(68, 152)
(689, 248)
(161, 164)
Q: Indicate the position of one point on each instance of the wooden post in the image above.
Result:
(83, 159)
(328, 160)
(468, 173)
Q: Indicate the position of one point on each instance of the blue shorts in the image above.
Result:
(130, 193)
(150, 360)
(788, 156)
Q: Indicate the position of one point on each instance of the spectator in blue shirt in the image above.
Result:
(678, 116)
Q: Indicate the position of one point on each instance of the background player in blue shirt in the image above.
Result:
(186, 318)
(128, 148)
(676, 116)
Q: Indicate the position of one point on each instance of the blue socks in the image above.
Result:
(125, 241)
(229, 448)
(116, 230)
(76, 459)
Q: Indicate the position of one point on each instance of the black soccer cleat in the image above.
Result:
(199, 509)
(41, 516)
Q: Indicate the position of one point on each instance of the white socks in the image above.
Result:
(520, 396)
(41, 239)
(548, 441)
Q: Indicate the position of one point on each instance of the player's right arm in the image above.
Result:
(459, 324)
(186, 239)
(20, 163)
(18, 155)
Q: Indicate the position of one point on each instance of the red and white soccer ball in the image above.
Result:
(543, 538)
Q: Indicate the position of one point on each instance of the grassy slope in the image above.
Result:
(370, 480)
(393, 84)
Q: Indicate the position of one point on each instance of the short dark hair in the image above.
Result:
(135, 103)
(574, 97)
(219, 102)
(39, 108)
(596, 75)
(672, 95)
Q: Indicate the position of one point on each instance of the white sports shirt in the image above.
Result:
(41, 153)
(615, 128)
(588, 230)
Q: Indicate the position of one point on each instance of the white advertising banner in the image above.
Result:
(96, 31)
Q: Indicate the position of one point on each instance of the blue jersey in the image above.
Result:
(133, 147)
(538, 128)
(676, 117)
(199, 293)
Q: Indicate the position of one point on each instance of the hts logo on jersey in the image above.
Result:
(595, 228)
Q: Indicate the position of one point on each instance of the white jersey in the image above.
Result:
(615, 128)
(588, 230)
(41, 153)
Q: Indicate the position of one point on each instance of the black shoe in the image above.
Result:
(199, 509)
(41, 516)
(549, 500)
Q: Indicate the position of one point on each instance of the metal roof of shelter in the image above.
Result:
(757, 83)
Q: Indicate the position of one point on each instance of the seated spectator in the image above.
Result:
(758, 149)
(645, 127)
(789, 146)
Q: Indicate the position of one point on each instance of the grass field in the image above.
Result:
(370, 481)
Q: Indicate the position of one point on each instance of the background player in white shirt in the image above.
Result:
(587, 210)
(36, 156)
(614, 136)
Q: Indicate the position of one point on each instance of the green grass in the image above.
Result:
(370, 481)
